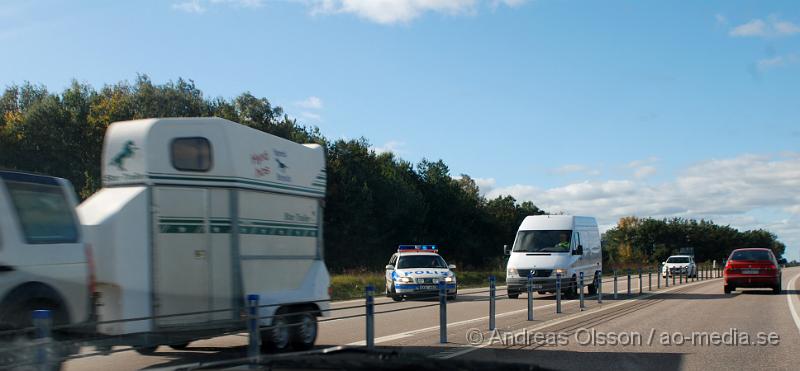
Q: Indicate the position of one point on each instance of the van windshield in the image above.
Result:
(543, 241)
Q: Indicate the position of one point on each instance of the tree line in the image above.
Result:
(646, 240)
(374, 201)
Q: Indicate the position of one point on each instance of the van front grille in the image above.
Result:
(536, 272)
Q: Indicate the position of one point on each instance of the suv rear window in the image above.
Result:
(751, 255)
(44, 213)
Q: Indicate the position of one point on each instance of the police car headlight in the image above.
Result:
(512, 272)
(405, 280)
(449, 279)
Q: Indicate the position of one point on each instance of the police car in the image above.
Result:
(416, 270)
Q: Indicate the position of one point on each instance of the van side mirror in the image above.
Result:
(578, 251)
(451, 267)
(389, 267)
(506, 250)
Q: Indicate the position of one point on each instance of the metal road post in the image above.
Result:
(491, 302)
(658, 277)
(629, 282)
(580, 295)
(680, 277)
(558, 292)
(442, 312)
(254, 337)
(370, 307)
(530, 295)
(615, 284)
(43, 321)
(599, 285)
(649, 278)
(640, 280)
(673, 276)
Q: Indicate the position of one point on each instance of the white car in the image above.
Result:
(417, 270)
(44, 262)
(679, 265)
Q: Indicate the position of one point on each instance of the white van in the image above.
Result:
(194, 215)
(549, 244)
(44, 263)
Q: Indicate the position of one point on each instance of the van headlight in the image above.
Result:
(405, 280)
(513, 272)
(561, 271)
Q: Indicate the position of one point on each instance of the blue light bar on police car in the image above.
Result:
(417, 248)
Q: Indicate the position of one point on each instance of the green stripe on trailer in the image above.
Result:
(237, 180)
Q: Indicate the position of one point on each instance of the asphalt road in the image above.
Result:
(641, 325)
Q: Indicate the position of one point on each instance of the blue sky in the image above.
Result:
(612, 108)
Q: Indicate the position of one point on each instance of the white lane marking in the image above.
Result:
(790, 286)
(471, 348)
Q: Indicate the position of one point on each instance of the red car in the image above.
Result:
(752, 268)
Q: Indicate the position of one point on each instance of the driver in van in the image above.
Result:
(564, 244)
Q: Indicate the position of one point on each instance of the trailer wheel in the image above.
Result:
(147, 351)
(304, 331)
(180, 346)
(277, 337)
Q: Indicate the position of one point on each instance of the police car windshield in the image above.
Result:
(421, 261)
(543, 241)
(678, 259)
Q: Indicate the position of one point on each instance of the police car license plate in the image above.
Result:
(749, 271)
(428, 287)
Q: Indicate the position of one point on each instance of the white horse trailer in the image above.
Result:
(194, 215)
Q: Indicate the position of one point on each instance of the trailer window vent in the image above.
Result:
(191, 154)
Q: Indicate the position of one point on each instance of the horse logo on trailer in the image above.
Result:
(127, 152)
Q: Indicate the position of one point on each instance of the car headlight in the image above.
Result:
(405, 280)
(560, 271)
(449, 279)
(513, 272)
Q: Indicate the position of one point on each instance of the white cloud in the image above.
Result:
(572, 169)
(200, 6)
(190, 6)
(311, 102)
(644, 172)
(311, 116)
(727, 191)
(241, 3)
(721, 19)
(772, 27)
(777, 61)
(401, 11)
(485, 184)
(392, 146)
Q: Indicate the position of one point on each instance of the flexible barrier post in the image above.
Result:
(580, 295)
(658, 277)
(649, 278)
(640, 280)
(558, 292)
(629, 282)
(599, 285)
(615, 284)
(254, 336)
(530, 295)
(43, 322)
(370, 308)
(442, 312)
(491, 302)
